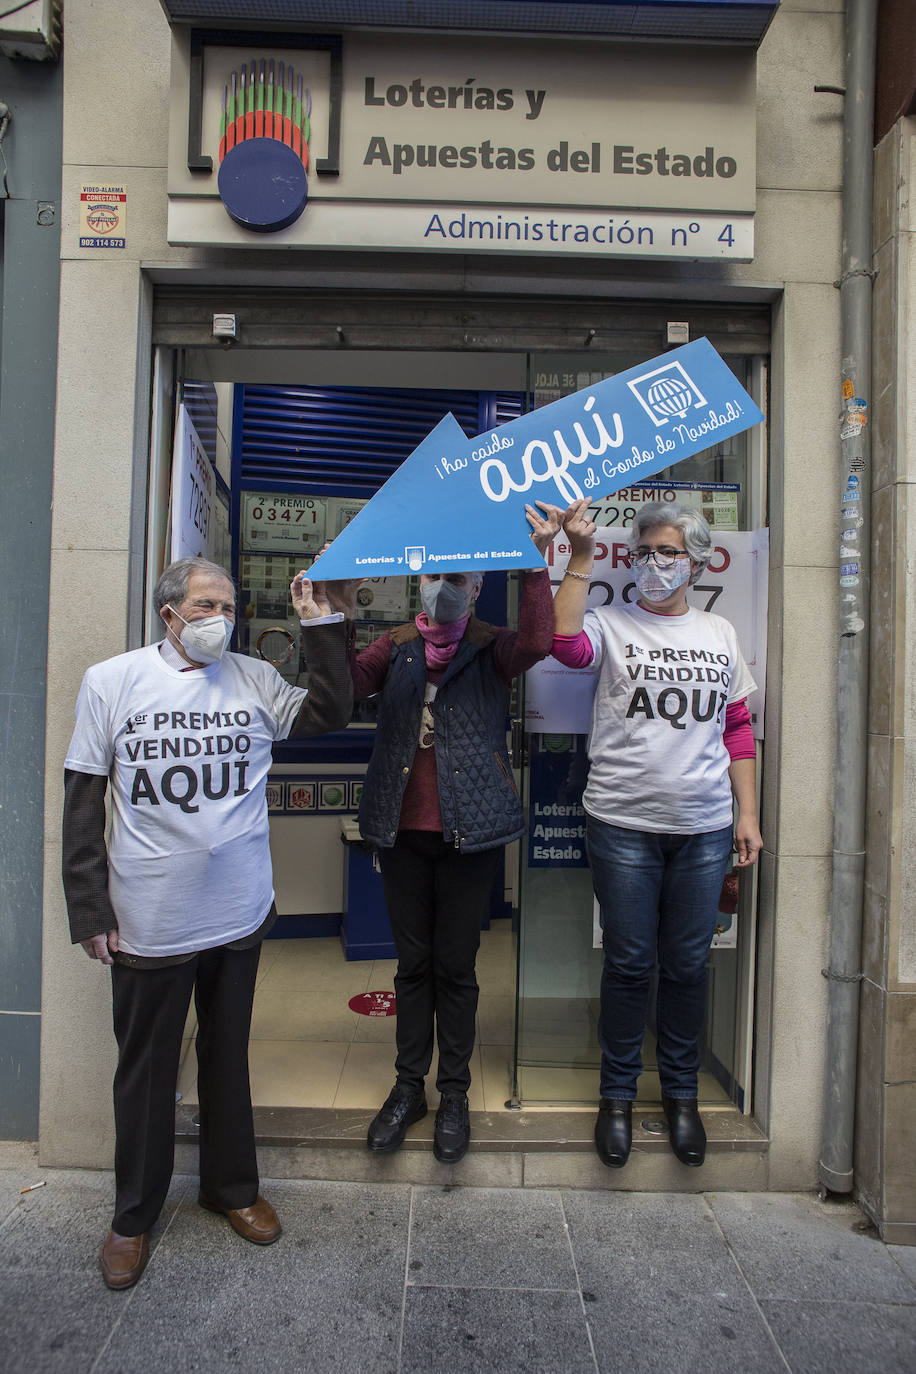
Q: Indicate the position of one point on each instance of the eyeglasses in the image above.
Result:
(641, 557)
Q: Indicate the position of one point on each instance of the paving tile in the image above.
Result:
(905, 1256)
(327, 1296)
(628, 1245)
(825, 1337)
(794, 1247)
(489, 1237)
(58, 1229)
(474, 1331)
(67, 1333)
(19, 1168)
(657, 1329)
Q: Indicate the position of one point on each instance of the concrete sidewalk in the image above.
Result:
(398, 1279)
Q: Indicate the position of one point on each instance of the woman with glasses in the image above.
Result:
(670, 744)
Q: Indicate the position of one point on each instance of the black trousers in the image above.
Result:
(150, 1008)
(436, 898)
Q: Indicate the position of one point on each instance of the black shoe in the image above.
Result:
(453, 1129)
(401, 1109)
(687, 1136)
(614, 1131)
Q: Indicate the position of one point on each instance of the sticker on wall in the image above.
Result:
(103, 216)
(300, 796)
(332, 796)
(264, 146)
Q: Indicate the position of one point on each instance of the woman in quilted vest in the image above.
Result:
(439, 804)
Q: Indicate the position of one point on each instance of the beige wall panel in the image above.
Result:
(799, 133)
(885, 189)
(811, 479)
(885, 405)
(902, 925)
(908, 162)
(806, 6)
(78, 1052)
(879, 817)
(808, 731)
(97, 360)
(883, 629)
(869, 1128)
(87, 623)
(899, 1135)
(900, 1060)
(145, 220)
(116, 82)
(799, 1020)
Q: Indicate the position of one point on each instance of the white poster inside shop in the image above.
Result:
(558, 700)
(194, 495)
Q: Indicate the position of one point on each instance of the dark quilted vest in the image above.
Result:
(477, 793)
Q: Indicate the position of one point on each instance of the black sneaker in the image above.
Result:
(401, 1109)
(453, 1129)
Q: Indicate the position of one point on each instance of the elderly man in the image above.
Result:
(181, 896)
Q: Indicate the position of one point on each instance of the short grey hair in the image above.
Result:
(172, 587)
(692, 525)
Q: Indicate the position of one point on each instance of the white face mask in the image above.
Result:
(657, 584)
(205, 641)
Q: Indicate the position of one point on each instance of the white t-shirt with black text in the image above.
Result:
(657, 760)
(187, 755)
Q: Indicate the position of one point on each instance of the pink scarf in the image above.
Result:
(441, 641)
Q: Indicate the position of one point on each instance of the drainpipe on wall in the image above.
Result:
(843, 971)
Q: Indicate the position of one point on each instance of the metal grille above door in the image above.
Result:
(328, 438)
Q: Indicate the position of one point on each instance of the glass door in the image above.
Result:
(559, 954)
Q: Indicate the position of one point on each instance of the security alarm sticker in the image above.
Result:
(103, 214)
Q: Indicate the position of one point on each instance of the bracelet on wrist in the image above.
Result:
(580, 577)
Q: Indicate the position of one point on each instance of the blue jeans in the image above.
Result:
(658, 895)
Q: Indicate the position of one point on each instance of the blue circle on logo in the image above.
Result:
(263, 185)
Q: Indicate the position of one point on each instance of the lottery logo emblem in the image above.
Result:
(263, 146)
(415, 557)
(666, 393)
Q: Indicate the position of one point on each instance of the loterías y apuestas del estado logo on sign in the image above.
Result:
(263, 146)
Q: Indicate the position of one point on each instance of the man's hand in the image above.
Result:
(102, 947)
(314, 599)
(544, 527)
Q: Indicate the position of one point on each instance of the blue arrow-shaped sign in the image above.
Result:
(457, 503)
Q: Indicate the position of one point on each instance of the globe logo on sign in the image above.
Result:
(670, 396)
(666, 393)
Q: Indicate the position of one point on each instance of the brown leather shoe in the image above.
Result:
(258, 1223)
(122, 1259)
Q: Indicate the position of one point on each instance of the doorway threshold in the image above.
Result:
(527, 1148)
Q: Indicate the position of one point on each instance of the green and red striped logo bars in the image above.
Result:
(266, 102)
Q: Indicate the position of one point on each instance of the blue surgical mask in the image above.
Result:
(443, 602)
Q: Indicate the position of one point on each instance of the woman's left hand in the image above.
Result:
(544, 528)
(748, 842)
